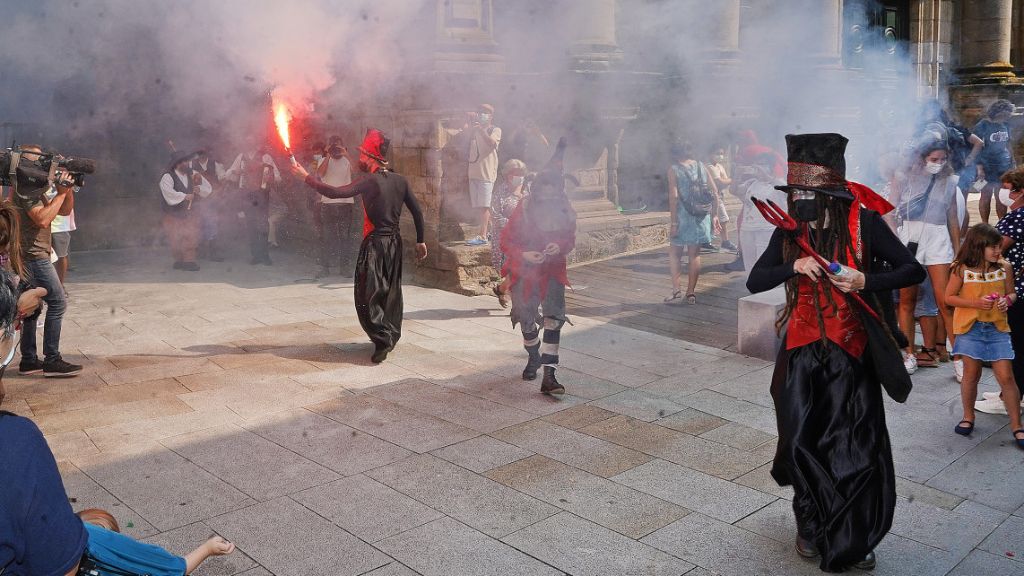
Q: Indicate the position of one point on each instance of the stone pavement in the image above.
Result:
(241, 401)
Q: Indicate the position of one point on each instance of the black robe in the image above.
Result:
(833, 442)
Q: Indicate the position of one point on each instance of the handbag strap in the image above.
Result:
(922, 198)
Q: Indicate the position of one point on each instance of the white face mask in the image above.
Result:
(934, 167)
(517, 181)
(318, 157)
(1004, 197)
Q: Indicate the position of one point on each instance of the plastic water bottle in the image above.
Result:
(837, 269)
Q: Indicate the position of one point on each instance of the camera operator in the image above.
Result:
(36, 213)
(484, 139)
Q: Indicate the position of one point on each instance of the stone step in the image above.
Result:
(584, 193)
(618, 221)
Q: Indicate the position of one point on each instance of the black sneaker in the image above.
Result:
(190, 266)
(28, 367)
(727, 245)
(60, 369)
(266, 261)
(708, 247)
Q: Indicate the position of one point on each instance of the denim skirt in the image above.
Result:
(984, 342)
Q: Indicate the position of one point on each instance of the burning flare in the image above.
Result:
(281, 118)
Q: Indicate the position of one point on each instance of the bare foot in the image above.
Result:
(218, 546)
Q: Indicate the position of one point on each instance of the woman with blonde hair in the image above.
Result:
(507, 194)
(17, 299)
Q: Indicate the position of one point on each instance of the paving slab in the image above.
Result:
(331, 444)
(980, 563)
(366, 508)
(614, 506)
(479, 502)
(445, 547)
(579, 416)
(573, 448)
(989, 474)
(166, 489)
(181, 541)
(1006, 540)
(462, 409)
(691, 421)
(83, 492)
(577, 546)
(393, 569)
(738, 436)
(690, 451)
(254, 465)
(958, 530)
(639, 404)
(695, 490)
(402, 426)
(728, 550)
(482, 453)
(290, 540)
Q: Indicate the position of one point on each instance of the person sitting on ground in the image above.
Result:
(39, 533)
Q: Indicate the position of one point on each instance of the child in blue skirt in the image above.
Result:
(981, 290)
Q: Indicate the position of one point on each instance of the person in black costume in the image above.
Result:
(378, 278)
(833, 444)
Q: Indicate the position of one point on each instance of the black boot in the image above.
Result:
(212, 253)
(549, 385)
(380, 353)
(533, 364)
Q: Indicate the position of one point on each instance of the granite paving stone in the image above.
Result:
(577, 546)
(738, 436)
(614, 506)
(695, 490)
(510, 390)
(366, 508)
(690, 451)
(120, 436)
(462, 409)
(639, 404)
(393, 569)
(691, 421)
(254, 465)
(728, 550)
(980, 563)
(761, 479)
(579, 416)
(181, 541)
(897, 556)
(989, 474)
(479, 502)
(573, 448)
(329, 443)
(446, 547)
(290, 540)
(958, 530)
(167, 490)
(926, 494)
(407, 428)
(1006, 539)
(482, 453)
(83, 492)
(733, 409)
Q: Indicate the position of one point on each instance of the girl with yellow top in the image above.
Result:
(980, 290)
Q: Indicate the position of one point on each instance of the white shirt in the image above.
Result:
(338, 173)
(218, 169)
(61, 223)
(755, 188)
(234, 174)
(172, 196)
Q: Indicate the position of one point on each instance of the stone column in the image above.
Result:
(723, 28)
(986, 31)
(594, 46)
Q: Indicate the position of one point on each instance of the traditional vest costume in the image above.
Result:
(179, 210)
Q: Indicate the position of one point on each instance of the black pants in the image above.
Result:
(378, 288)
(257, 223)
(834, 450)
(336, 235)
(1015, 317)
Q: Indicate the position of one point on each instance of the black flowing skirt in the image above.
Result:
(834, 450)
(378, 288)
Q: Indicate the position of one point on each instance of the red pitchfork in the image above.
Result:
(779, 218)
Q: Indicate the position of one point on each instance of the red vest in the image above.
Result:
(842, 324)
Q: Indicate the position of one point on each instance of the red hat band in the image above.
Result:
(813, 176)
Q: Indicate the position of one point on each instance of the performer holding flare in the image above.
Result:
(378, 277)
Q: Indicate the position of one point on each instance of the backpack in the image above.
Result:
(700, 199)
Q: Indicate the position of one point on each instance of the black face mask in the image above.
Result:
(805, 210)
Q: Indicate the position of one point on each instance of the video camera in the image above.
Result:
(29, 171)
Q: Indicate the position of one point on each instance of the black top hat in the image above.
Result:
(178, 158)
(817, 163)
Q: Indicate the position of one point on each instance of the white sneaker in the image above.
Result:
(910, 363)
(990, 406)
(958, 370)
(995, 396)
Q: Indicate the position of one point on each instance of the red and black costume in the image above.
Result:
(378, 277)
(833, 443)
(544, 218)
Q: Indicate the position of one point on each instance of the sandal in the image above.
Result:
(927, 358)
(943, 353)
(676, 295)
(691, 298)
(502, 296)
(966, 430)
(1019, 441)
